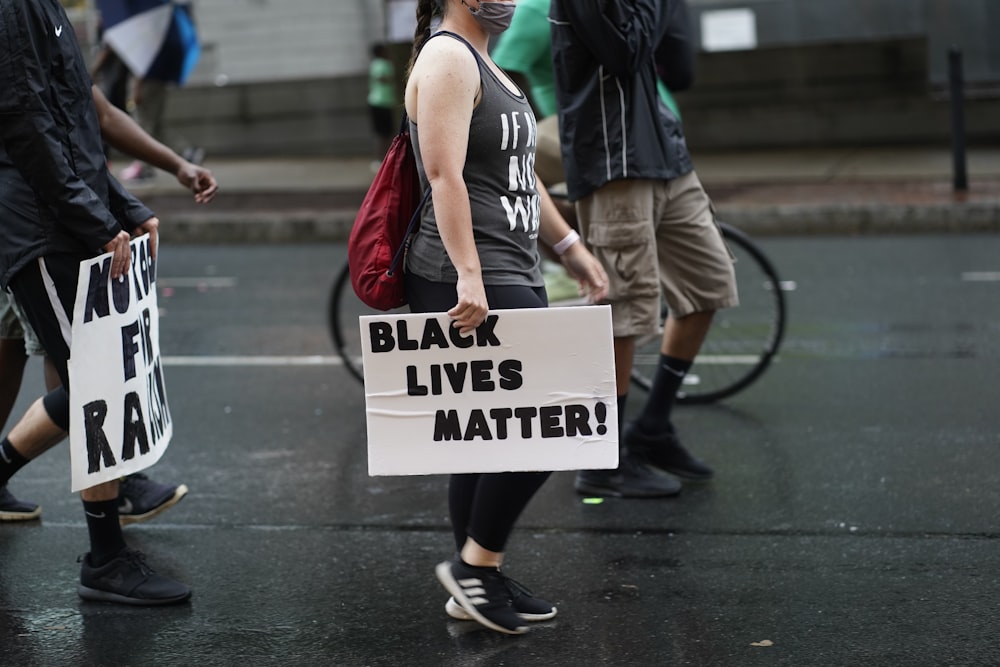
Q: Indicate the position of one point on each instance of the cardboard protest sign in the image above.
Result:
(530, 389)
(119, 418)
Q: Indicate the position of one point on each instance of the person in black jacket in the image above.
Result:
(642, 211)
(60, 206)
(140, 498)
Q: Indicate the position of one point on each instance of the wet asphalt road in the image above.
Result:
(854, 518)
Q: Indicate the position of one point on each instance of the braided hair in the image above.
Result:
(426, 11)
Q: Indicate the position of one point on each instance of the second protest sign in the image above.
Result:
(530, 389)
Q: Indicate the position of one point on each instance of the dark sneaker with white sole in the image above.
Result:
(12, 509)
(632, 479)
(482, 592)
(527, 606)
(665, 451)
(127, 579)
(140, 498)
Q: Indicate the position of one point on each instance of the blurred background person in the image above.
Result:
(381, 101)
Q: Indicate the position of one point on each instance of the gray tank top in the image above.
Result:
(500, 176)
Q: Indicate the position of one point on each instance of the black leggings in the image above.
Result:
(483, 506)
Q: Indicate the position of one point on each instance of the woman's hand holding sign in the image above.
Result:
(472, 308)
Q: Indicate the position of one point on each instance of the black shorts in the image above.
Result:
(45, 289)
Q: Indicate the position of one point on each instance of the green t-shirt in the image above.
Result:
(381, 87)
(525, 47)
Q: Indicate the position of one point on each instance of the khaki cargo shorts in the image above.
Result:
(548, 154)
(14, 325)
(652, 236)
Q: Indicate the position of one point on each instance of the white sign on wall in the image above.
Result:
(728, 30)
(401, 20)
(530, 389)
(119, 418)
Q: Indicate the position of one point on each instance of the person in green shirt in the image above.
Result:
(381, 100)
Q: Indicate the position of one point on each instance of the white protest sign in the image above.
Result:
(119, 419)
(531, 389)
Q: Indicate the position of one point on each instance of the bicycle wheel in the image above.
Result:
(742, 341)
(344, 310)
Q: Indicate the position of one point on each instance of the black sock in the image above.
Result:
(670, 372)
(10, 461)
(106, 539)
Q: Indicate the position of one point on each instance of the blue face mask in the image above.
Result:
(493, 16)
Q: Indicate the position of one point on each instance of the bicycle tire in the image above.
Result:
(343, 311)
(742, 341)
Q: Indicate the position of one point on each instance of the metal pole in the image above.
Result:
(960, 180)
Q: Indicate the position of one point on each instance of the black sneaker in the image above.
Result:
(632, 479)
(12, 509)
(527, 606)
(665, 451)
(127, 579)
(140, 498)
(482, 592)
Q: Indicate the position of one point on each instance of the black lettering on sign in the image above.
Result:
(135, 428)
(462, 376)
(120, 293)
(159, 411)
(510, 374)
(129, 349)
(381, 336)
(478, 427)
(447, 426)
(578, 420)
(432, 336)
(549, 421)
(97, 291)
(98, 448)
(481, 380)
(147, 336)
(501, 416)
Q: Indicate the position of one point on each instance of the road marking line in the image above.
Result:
(981, 276)
(711, 359)
(315, 360)
(202, 281)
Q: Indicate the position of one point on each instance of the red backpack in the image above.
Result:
(389, 215)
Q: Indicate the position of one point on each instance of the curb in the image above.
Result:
(333, 226)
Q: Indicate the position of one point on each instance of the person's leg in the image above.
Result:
(697, 273)
(12, 363)
(616, 223)
(13, 356)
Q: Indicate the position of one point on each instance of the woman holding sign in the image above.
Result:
(474, 135)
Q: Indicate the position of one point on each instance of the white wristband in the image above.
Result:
(567, 241)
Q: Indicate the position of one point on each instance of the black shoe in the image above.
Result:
(12, 509)
(524, 602)
(140, 498)
(128, 580)
(665, 451)
(632, 479)
(482, 592)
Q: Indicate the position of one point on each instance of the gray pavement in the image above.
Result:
(808, 191)
(853, 519)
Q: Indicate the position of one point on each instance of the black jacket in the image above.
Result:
(612, 123)
(56, 194)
